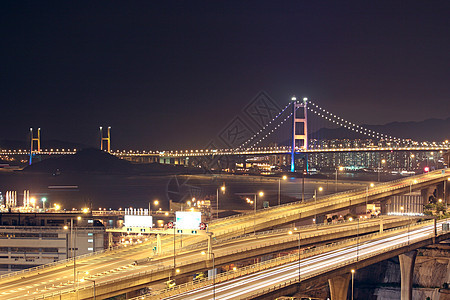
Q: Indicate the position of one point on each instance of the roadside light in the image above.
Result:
(66, 227)
(222, 188)
(284, 177)
(177, 270)
(261, 194)
(350, 219)
(290, 232)
(372, 184)
(78, 218)
(57, 207)
(341, 168)
(85, 210)
(320, 188)
(203, 253)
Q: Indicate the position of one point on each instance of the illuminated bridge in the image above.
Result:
(302, 141)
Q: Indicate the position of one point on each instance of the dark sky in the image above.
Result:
(171, 75)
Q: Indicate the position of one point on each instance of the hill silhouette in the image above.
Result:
(97, 161)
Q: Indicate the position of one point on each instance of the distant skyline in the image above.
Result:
(171, 73)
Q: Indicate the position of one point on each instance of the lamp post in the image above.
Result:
(43, 199)
(353, 276)
(336, 179)
(379, 167)
(357, 241)
(211, 254)
(315, 203)
(303, 179)
(222, 188)
(279, 188)
(93, 281)
(155, 203)
(254, 214)
(367, 195)
(299, 244)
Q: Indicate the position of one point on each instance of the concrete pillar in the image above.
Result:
(339, 286)
(158, 243)
(384, 206)
(440, 190)
(426, 193)
(381, 225)
(407, 261)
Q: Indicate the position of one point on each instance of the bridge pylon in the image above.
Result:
(106, 139)
(33, 139)
(299, 128)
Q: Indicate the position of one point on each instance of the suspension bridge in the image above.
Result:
(301, 141)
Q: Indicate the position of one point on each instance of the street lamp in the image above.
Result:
(383, 161)
(91, 280)
(357, 241)
(367, 194)
(72, 248)
(279, 188)
(299, 244)
(315, 202)
(211, 254)
(254, 215)
(353, 276)
(336, 181)
(33, 202)
(222, 188)
(155, 203)
(43, 199)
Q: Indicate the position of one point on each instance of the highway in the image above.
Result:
(249, 286)
(112, 266)
(118, 263)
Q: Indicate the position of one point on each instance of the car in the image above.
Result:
(170, 283)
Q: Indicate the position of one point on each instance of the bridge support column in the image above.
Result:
(407, 261)
(426, 193)
(158, 244)
(381, 225)
(339, 286)
(440, 190)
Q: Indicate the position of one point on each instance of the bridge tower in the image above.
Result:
(32, 140)
(299, 128)
(106, 139)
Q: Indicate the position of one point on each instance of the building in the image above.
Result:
(31, 239)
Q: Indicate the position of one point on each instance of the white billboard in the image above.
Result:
(138, 221)
(188, 219)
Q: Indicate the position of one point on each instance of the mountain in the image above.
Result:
(45, 144)
(98, 161)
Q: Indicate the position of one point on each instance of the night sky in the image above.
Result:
(171, 75)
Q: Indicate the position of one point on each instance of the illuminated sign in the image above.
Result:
(188, 219)
(138, 221)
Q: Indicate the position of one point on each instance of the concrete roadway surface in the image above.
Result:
(109, 266)
(249, 285)
(116, 264)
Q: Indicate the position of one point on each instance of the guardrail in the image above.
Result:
(283, 260)
(252, 268)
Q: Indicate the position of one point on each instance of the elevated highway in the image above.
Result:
(118, 263)
(329, 262)
(116, 273)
